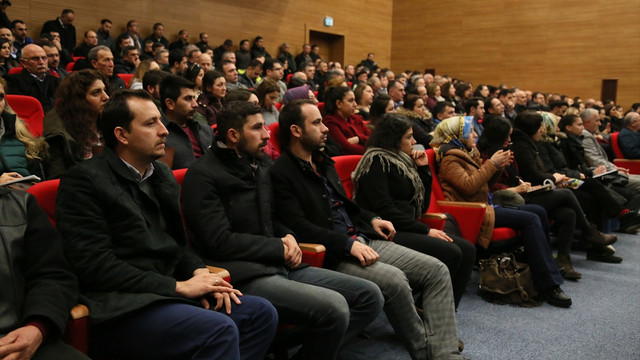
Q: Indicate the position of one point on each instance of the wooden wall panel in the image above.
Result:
(564, 46)
(277, 21)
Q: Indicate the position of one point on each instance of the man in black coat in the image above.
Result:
(34, 79)
(38, 287)
(119, 215)
(64, 26)
(228, 208)
(310, 199)
(188, 137)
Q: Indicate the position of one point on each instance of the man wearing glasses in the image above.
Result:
(34, 79)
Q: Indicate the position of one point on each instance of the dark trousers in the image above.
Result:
(563, 207)
(185, 331)
(57, 350)
(536, 246)
(459, 256)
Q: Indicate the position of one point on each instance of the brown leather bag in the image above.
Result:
(503, 280)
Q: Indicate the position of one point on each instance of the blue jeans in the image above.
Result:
(185, 331)
(537, 250)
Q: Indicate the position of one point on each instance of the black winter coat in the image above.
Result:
(228, 209)
(302, 204)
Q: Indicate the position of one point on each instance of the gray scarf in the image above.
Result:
(405, 165)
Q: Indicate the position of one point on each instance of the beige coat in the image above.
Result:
(463, 178)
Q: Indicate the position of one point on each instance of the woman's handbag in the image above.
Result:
(503, 280)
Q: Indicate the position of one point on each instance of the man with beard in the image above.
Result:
(189, 138)
(309, 199)
(104, 36)
(228, 208)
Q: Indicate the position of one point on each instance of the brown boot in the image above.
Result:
(566, 268)
(595, 239)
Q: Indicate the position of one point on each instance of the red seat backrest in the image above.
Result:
(274, 133)
(45, 193)
(616, 146)
(15, 70)
(126, 78)
(345, 166)
(279, 106)
(28, 109)
(70, 66)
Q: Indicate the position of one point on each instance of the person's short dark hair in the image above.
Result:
(505, 92)
(156, 45)
(567, 120)
(153, 78)
(67, 11)
(210, 78)
(176, 56)
(200, 35)
(243, 41)
(126, 49)
(492, 89)
(238, 94)
(388, 132)
(487, 102)
(557, 104)
(181, 31)
(269, 64)
(635, 106)
(130, 22)
(528, 121)
(471, 102)
(225, 62)
(171, 87)
(440, 107)
(296, 82)
(333, 95)
(255, 63)
(16, 22)
(234, 116)
(305, 65)
(495, 134)
(291, 114)
(149, 41)
(228, 42)
(256, 39)
(156, 25)
(117, 113)
(104, 21)
(394, 83)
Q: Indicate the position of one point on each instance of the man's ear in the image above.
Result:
(170, 104)
(121, 135)
(295, 130)
(233, 136)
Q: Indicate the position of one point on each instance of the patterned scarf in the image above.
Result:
(405, 165)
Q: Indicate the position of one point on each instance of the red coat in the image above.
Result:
(340, 130)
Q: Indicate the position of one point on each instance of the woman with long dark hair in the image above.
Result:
(415, 110)
(214, 88)
(70, 127)
(394, 181)
(345, 127)
(6, 61)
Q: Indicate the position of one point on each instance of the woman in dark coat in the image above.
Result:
(394, 181)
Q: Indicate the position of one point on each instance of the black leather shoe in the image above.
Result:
(556, 297)
(599, 255)
(630, 222)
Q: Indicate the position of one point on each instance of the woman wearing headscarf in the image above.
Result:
(463, 177)
(394, 181)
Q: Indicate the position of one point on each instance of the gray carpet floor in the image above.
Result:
(603, 323)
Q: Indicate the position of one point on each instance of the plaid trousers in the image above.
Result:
(400, 269)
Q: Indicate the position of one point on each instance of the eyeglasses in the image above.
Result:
(2, 96)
